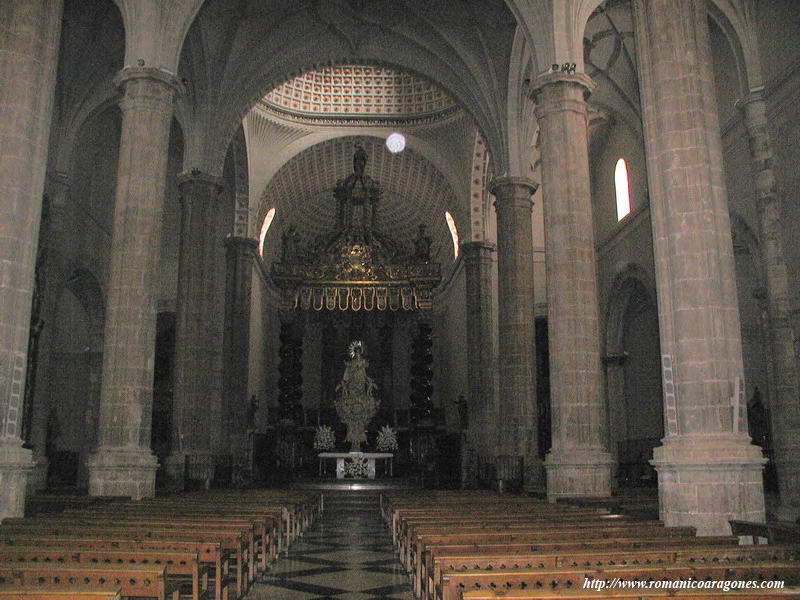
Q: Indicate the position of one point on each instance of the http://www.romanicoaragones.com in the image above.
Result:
(617, 583)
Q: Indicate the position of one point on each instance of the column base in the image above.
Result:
(578, 473)
(175, 472)
(37, 478)
(535, 479)
(789, 487)
(705, 481)
(16, 463)
(122, 472)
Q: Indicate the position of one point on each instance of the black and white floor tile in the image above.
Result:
(345, 555)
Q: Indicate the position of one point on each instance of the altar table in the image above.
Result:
(370, 456)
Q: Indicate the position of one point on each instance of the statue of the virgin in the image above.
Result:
(355, 398)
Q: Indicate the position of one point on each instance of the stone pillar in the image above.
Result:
(516, 432)
(240, 254)
(196, 422)
(578, 463)
(29, 39)
(785, 403)
(123, 464)
(615, 393)
(59, 251)
(708, 472)
(481, 353)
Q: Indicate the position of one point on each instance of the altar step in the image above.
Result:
(352, 501)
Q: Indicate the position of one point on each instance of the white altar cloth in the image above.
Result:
(370, 456)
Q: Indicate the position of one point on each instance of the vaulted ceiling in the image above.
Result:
(414, 193)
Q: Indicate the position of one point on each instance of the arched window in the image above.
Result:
(622, 186)
(264, 228)
(453, 231)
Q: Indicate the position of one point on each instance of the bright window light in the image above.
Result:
(264, 228)
(622, 186)
(453, 231)
(396, 142)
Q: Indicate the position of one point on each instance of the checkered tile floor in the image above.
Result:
(346, 555)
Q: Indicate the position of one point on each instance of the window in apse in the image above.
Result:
(453, 231)
(264, 228)
(622, 186)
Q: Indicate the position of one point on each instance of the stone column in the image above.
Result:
(516, 432)
(615, 393)
(785, 403)
(240, 254)
(123, 464)
(481, 353)
(59, 252)
(578, 463)
(198, 331)
(29, 39)
(708, 472)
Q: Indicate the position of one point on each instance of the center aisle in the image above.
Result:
(346, 555)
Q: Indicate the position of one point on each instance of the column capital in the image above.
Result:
(243, 244)
(615, 360)
(507, 188)
(196, 176)
(129, 74)
(754, 95)
(477, 249)
(579, 80)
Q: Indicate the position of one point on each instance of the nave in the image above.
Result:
(347, 554)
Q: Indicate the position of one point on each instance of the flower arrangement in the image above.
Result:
(387, 439)
(324, 439)
(356, 468)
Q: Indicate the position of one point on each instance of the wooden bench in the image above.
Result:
(774, 533)
(716, 556)
(182, 567)
(135, 581)
(571, 580)
(60, 594)
(210, 553)
(632, 595)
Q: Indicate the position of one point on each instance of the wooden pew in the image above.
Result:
(571, 580)
(789, 594)
(136, 581)
(696, 557)
(59, 594)
(413, 563)
(209, 552)
(182, 567)
(774, 533)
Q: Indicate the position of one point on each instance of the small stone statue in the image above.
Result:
(359, 160)
(251, 412)
(422, 245)
(289, 244)
(463, 412)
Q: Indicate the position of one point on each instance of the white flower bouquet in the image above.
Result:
(387, 439)
(324, 439)
(356, 468)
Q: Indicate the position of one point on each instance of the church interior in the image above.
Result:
(499, 259)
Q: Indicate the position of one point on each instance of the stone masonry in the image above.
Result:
(785, 393)
(29, 39)
(708, 471)
(197, 424)
(578, 463)
(240, 254)
(517, 419)
(123, 464)
(481, 347)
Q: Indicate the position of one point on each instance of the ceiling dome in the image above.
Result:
(359, 91)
